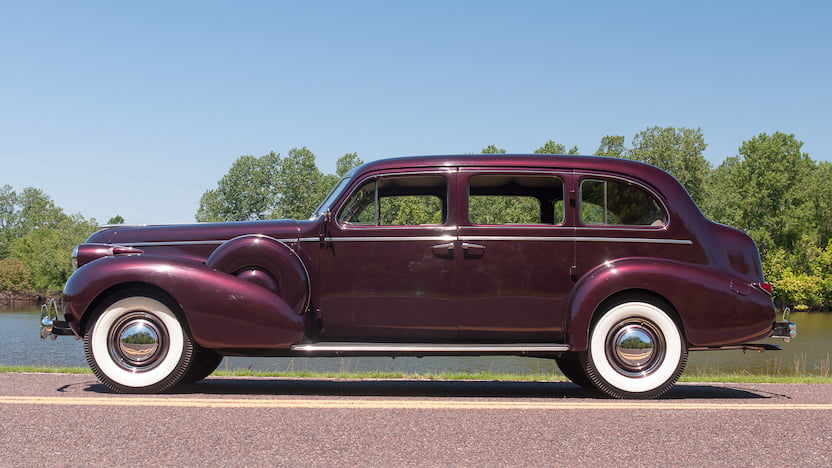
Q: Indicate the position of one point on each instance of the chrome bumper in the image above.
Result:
(784, 329)
(52, 323)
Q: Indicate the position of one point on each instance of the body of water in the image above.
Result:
(811, 350)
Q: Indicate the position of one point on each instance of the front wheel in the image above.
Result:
(136, 344)
(636, 350)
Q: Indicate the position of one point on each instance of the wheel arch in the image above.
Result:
(639, 295)
(670, 284)
(136, 288)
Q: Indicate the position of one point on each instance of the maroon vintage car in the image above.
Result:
(605, 265)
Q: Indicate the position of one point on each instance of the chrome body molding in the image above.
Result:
(428, 348)
(392, 239)
(629, 240)
(171, 243)
(635, 240)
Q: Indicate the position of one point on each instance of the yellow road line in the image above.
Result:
(399, 404)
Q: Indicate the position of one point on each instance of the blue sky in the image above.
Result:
(137, 108)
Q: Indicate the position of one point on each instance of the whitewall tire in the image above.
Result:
(636, 350)
(137, 344)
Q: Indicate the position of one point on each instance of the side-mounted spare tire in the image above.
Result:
(266, 262)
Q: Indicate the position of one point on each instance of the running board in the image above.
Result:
(430, 348)
(760, 347)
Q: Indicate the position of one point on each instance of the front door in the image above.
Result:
(387, 267)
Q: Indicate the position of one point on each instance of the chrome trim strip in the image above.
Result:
(431, 347)
(169, 243)
(392, 239)
(635, 240)
(517, 238)
(629, 240)
(205, 242)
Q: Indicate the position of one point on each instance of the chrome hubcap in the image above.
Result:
(635, 347)
(137, 341)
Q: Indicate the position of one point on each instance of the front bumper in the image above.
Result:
(52, 323)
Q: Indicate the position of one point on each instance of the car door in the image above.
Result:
(387, 270)
(517, 245)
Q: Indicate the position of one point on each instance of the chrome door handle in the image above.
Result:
(443, 249)
(473, 249)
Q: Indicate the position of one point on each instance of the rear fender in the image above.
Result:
(713, 309)
(221, 310)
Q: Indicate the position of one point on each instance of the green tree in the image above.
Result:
(491, 149)
(271, 187)
(677, 151)
(301, 185)
(117, 219)
(612, 146)
(247, 192)
(15, 277)
(347, 163)
(819, 193)
(46, 251)
(8, 218)
(772, 179)
(550, 147)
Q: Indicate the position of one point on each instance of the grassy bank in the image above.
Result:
(539, 377)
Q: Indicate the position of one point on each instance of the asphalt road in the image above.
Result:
(72, 420)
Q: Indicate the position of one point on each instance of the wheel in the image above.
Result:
(136, 344)
(570, 366)
(204, 362)
(635, 350)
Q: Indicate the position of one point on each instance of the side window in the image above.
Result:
(397, 201)
(515, 199)
(617, 203)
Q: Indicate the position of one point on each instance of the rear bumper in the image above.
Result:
(786, 330)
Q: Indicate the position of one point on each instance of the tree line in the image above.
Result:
(769, 189)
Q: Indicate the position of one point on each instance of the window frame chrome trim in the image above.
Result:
(444, 172)
(583, 175)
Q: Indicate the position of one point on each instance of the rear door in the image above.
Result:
(517, 245)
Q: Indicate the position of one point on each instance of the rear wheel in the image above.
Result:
(636, 350)
(137, 344)
(205, 362)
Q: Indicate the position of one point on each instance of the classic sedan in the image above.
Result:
(605, 265)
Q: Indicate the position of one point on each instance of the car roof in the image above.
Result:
(637, 169)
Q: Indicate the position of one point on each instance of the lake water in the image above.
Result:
(811, 350)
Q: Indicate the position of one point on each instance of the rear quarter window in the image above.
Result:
(611, 202)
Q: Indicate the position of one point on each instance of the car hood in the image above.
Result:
(131, 235)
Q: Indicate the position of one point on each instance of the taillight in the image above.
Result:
(765, 287)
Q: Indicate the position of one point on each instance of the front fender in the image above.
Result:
(713, 309)
(222, 311)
